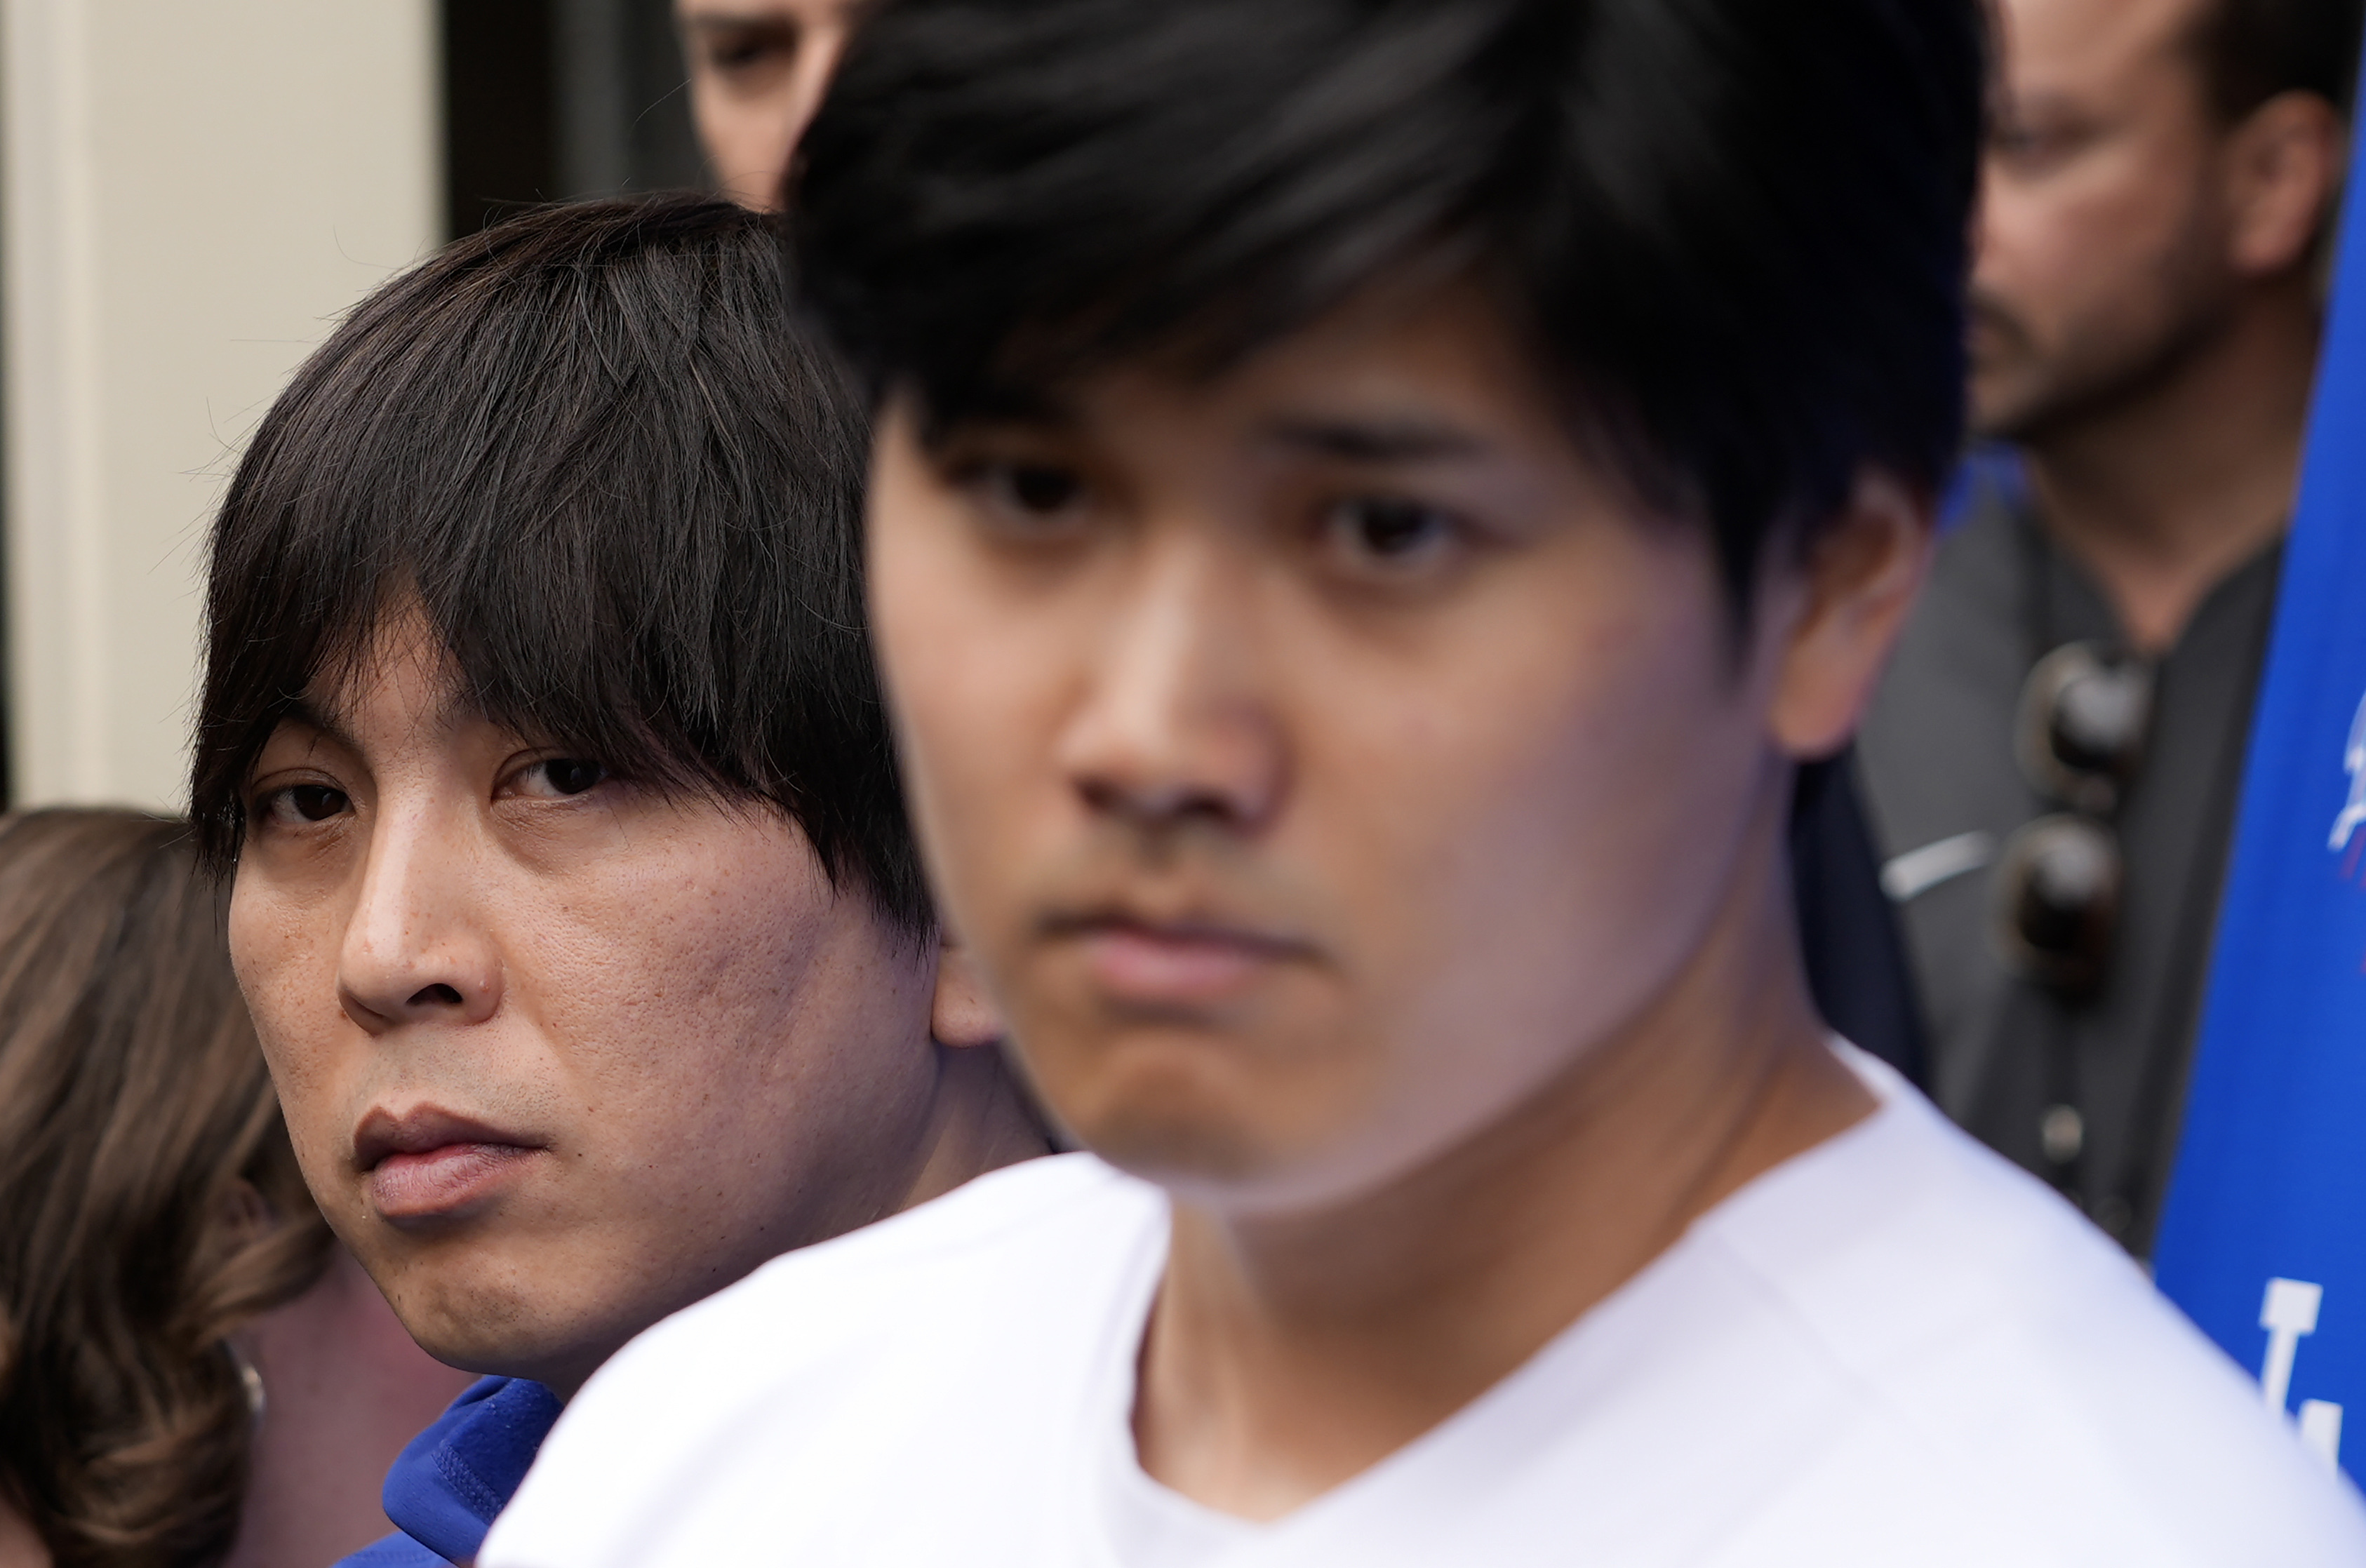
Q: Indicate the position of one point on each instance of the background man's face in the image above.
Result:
(1320, 758)
(558, 1056)
(2102, 247)
(757, 70)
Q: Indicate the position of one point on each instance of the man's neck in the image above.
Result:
(981, 1120)
(1286, 1356)
(2165, 494)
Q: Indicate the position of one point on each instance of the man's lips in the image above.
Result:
(1175, 963)
(429, 1163)
(443, 1181)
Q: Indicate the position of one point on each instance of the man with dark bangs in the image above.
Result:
(1373, 502)
(573, 897)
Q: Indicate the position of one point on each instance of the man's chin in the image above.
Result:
(471, 1314)
(1208, 1160)
(1179, 1146)
(1238, 1166)
(2007, 382)
(553, 1358)
(2028, 400)
(2003, 402)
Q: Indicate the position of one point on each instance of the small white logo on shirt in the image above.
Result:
(2289, 1314)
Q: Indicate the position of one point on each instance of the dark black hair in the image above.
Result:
(626, 493)
(1733, 231)
(2251, 51)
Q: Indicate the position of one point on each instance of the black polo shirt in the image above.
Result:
(1945, 793)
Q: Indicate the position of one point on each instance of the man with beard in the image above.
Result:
(2053, 759)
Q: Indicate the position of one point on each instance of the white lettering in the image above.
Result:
(2353, 762)
(2289, 1313)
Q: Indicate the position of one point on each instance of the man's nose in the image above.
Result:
(415, 949)
(1175, 724)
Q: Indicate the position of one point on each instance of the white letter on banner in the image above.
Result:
(2289, 1314)
(2353, 762)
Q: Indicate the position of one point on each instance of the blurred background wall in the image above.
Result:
(191, 191)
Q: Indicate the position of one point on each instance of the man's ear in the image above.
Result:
(2284, 168)
(961, 1014)
(1860, 581)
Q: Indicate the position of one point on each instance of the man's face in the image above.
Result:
(1320, 758)
(558, 1056)
(2103, 245)
(758, 69)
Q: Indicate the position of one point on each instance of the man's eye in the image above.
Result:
(2032, 147)
(1032, 499)
(1388, 530)
(305, 803)
(1040, 488)
(746, 48)
(561, 776)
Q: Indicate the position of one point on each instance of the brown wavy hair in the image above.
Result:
(150, 1203)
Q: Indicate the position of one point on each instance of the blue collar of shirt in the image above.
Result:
(455, 1477)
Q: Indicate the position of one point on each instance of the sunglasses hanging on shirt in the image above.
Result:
(2085, 713)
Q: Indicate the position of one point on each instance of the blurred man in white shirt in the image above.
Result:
(1371, 509)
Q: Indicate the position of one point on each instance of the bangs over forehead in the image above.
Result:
(623, 492)
(1732, 231)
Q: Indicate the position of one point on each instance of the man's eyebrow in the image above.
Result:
(739, 21)
(997, 408)
(1374, 440)
(330, 726)
(1002, 402)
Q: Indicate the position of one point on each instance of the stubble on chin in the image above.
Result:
(2008, 380)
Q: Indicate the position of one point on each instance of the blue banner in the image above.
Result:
(2264, 1238)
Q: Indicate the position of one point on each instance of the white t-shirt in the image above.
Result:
(1894, 1349)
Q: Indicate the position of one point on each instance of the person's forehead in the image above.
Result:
(399, 684)
(2078, 47)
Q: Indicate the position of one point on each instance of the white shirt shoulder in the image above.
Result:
(2004, 1383)
(699, 1440)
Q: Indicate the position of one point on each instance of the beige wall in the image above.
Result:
(193, 190)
